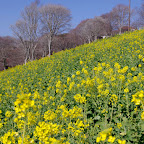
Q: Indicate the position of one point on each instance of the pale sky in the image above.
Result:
(80, 9)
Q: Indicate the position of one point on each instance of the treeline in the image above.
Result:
(45, 29)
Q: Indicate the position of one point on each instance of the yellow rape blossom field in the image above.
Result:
(91, 94)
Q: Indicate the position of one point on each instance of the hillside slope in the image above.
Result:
(93, 93)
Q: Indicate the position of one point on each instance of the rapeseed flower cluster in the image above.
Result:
(104, 134)
(91, 94)
(79, 98)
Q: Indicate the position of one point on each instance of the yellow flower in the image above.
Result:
(68, 80)
(20, 115)
(79, 123)
(99, 68)
(81, 62)
(117, 66)
(119, 125)
(58, 84)
(103, 136)
(103, 64)
(77, 132)
(78, 85)
(88, 95)
(73, 76)
(32, 103)
(98, 139)
(111, 139)
(95, 68)
(8, 114)
(142, 115)
(137, 101)
(17, 102)
(79, 98)
(140, 56)
(86, 72)
(126, 90)
(1, 125)
(57, 90)
(78, 73)
(124, 69)
(32, 141)
(8, 138)
(133, 69)
(121, 141)
(141, 94)
(139, 65)
(20, 140)
(49, 115)
(135, 109)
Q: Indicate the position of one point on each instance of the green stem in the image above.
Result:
(127, 105)
(69, 131)
(105, 120)
(142, 106)
(85, 116)
(23, 132)
(111, 114)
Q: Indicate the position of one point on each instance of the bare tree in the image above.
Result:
(139, 20)
(100, 27)
(10, 53)
(26, 30)
(109, 27)
(55, 19)
(119, 16)
(86, 30)
(4, 43)
(44, 45)
(93, 28)
(129, 23)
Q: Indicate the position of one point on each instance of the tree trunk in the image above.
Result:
(95, 38)
(32, 55)
(32, 51)
(120, 30)
(27, 56)
(25, 61)
(49, 46)
(5, 63)
(43, 55)
(89, 40)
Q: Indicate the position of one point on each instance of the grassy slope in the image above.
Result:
(41, 76)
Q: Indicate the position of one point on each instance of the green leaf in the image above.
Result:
(96, 117)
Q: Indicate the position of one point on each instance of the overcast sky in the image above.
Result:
(80, 9)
